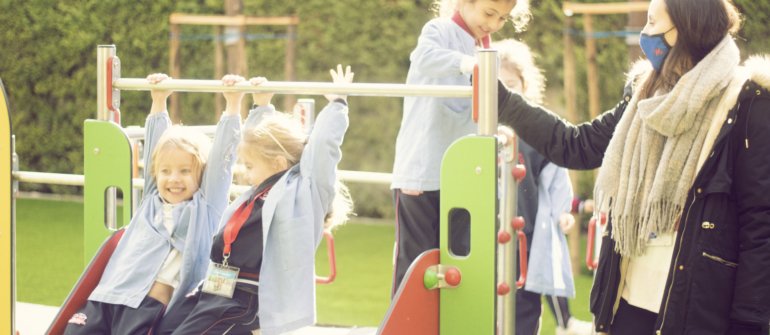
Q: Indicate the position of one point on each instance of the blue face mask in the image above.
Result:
(655, 48)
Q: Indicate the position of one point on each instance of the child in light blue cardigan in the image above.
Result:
(163, 253)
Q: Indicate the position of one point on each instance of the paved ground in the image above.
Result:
(34, 319)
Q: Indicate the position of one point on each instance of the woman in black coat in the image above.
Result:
(684, 175)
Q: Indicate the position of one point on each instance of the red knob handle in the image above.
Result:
(452, 277)
(519, 172)
(517, 223)
(503, 237)
(503, 289)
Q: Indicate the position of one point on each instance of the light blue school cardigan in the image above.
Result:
(550, 271)
(137, 259)
(293, 218)
(429, 124)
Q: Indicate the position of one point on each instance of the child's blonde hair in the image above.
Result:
(185, 139)
(520, 14)
(342, 207)
(277, 135)
(281, 135)
(518, 55)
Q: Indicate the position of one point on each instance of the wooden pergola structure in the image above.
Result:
(236, 61)
(589, 11)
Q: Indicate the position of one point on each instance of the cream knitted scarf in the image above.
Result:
(651, 161)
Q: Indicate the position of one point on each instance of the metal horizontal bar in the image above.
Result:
(48, 178)
(224, 37)
(137, 132)
(79, 179)
(571, 8)
(365, 177)
(234, 20)
(311, 88)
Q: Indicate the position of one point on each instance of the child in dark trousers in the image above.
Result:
(162, 254)
(444, 55)
(262, 270)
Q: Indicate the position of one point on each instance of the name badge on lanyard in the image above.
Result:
(221, 278)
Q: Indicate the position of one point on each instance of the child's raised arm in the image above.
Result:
(260, 99)
(232, 99)
(322, 152)
(262, 104)
(156, 124)
(339, 77)
(159, 97)
(218, 174)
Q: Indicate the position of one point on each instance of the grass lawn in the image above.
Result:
(49, 248)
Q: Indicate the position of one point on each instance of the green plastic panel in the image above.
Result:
(468, 181)
(107, 163)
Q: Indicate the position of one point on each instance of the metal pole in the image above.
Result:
(103, 54)
(304, 111)
(487, 92)
(507, 258)
(305, 88)
(111, 208)
(136, 193)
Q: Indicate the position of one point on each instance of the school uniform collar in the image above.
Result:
(483, 42)
(269, 182)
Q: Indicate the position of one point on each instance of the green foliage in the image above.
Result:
(753, 37)
(48, 64)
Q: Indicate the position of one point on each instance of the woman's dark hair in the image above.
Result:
(701, 25)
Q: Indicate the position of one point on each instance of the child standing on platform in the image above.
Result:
(162, 254)
(262, 269)
(445, 55)
(544, 200)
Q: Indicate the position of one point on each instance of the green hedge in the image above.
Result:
(48, 64)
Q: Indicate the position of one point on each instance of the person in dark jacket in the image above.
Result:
(684, 174)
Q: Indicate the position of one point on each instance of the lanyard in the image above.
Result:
(236, 222)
